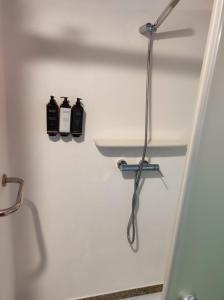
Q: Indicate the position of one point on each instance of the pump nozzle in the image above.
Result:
(52, 99)
(78, 102)
(65, 102)
(65, 98)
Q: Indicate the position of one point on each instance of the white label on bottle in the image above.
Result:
(65, 119)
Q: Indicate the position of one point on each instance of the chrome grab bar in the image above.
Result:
(7, 211)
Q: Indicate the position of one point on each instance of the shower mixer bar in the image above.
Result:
(123, 166)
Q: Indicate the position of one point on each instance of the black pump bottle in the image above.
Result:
(52, 117)
(77, 118)
(65, 117)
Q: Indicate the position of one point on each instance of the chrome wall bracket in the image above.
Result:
(123, 166)
(148, 28)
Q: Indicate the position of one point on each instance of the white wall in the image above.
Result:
(70, 236)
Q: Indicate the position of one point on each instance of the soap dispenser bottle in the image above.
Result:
(77, 118)
(52, 117)
(65, 117)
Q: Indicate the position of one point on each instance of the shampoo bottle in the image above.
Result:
(77, 118)
(52, 117)
(65, 117)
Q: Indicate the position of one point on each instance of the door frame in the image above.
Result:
(211, 50)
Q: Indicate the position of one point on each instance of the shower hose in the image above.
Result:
(132, 223)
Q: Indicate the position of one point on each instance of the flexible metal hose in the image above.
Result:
(131, 228)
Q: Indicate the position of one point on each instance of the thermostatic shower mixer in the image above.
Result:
(123, 166)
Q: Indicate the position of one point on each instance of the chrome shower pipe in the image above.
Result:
(153, 27)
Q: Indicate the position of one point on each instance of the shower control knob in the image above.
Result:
(121, 163)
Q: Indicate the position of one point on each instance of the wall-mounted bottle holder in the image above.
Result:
(65, 120)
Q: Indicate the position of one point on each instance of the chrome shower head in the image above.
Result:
(173, 3)
(166, 13)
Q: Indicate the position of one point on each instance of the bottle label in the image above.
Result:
(65, 119)
(52, 119)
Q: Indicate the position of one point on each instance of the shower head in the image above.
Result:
(151, 28)
(166, 13)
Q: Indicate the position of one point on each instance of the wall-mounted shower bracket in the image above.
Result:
(123, 166)
(148, 27)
